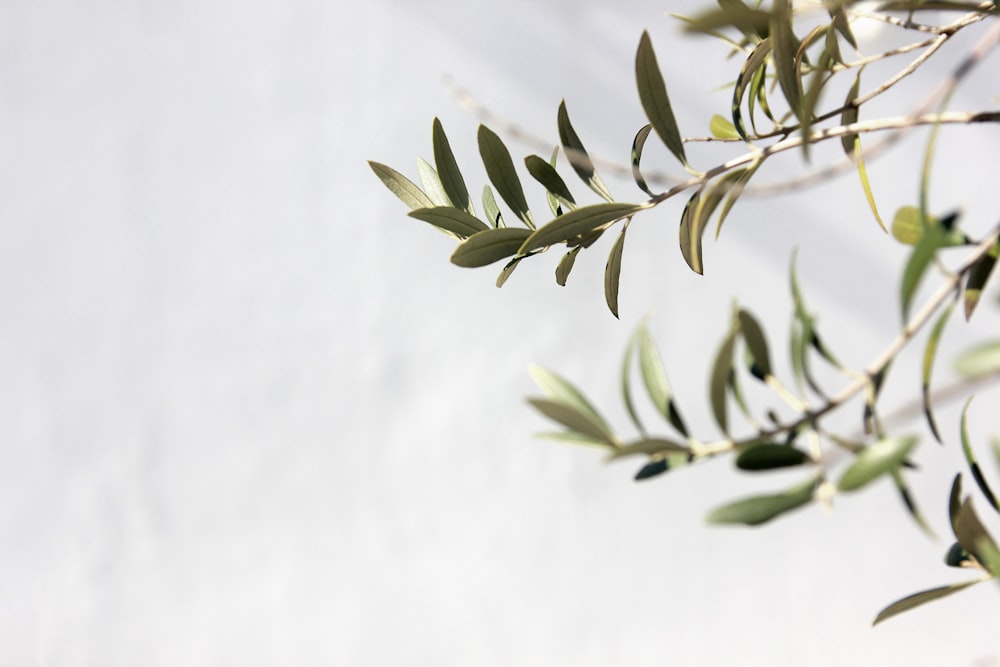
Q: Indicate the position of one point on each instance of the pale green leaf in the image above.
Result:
(560, 389)
(648, 446)
(432, 183)
(566, 265)
(981, 360)
(719, 380)
(756, 510)
(401, 186)
(690, 234)
(722, 128)
(918, 599)
(927, 368)
(876, 460)
(573, 419)
(637, 145)
(754, 64)
(654, 377)
(979, 274)
(491, 208)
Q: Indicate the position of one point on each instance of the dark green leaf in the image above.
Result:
(753, 334)
(655, 102)
(456, 222)
(923, 597)
(731, 14)
(573, 419)
(981, 360)
(447, 169)
(970, 457)
(930, 353)
(786, 44)
(545, 173)
(850, 115)
(756, 510)
(577, 155)
(769, 456)
(501, 172)
(955, 501)
(401, 186)
(753, 64)
(957, 556)
(488, 246)
(652, 469)
(979, 274)
(910, 503)
(577, 222)
(612, 272)
(566, 265)
(876, 460)
(691, 233)
(637, 145)
(972, 535)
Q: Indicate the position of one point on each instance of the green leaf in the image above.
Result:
(721, 369)
(503, 176)
(970, 457)
(447, 169)
(721, 128)
(574, 438)
(972, 535)
(637, 145)
(979, 361)
(876, 460)
(756, 510)
(690, 232)
(566, 265)
(432, 183)
(734, 183)
(850, 115)
(731, 14)
(488, 246)
(753, 334)
(770, 456)
(923, 597)
(654, 377)
(910, 504)
(401, 186)
(842, 24)
(578, 221)
(753, 64)
(577, 155)
(626, 383)
(573, 419)
(979, 274)
(491, 208)
(649, 446)
(507, 270)
(786, 44)
(655, 102)
(908, 228)
(545, 173)
(934, 238)
(930, 353)
(612, 272)
(562, 390)
(652, 469)
(456, 222)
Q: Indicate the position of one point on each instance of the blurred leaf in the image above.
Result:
(955, 500)
(770, 456)
(655, 102)
(923, 597)
(456, 222)
(566, 265)
(753, 63)
(488, 246)
(852, 147)
(761, 509)
(872, 392)
(655, 379)
(979, 274)
(753, 334)
(908, 228)
(934, 238)
(447, 169)
(930, 353)
(842, 25)
(972, 535)
(554, 204)
(577, 155)
(734, 184)
(501, 172)
(491, 208)
(721, 369)
(983, 359)
(731, 14)
(876, 460)
(401, 186)
(626, 382)
(578, 221)
(970, 458)
(637, 145)
(507, 270)
(573, 419)
(722, 128)
(574, 438)
(545, 173)
(910, 504)
(652, 469)
(432, 183)
(785, 45)
(560, 389)
(650, 446)
(690, 233)
(612, 272)
(957, 556)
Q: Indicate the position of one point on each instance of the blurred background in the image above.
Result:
(251, 415)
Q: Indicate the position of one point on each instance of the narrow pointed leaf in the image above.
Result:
(719, 382)
(560, 389)
(785, 47)
(979, 274)
(930, 353)
(574, 438)
(842, 25)
(654, 377)
(978, 361)
(652, 469)
(577, 155)
(501, 172)
(448, 171)
(507, 270)
(972, 535)
(573, 419)
(850, 115)
(970, 458)
(637, 145)
(491, 208)
(626, 383)
(921, 598)
(650, 447)
(910, 503)
(876, 460)
(401, 186)
(753, 334)
(756, 510)
(655, 102)
(734, 183)
(731, 14)
(432, 183)
(690, 234)
(488, 246)
(612, 272)
(566, 265)
(754, 62)
(916, 265)
(545, 173)
(452, 220)
(770, 456)
(577, 222)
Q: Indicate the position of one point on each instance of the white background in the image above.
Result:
(250, 414)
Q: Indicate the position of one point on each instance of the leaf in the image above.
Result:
(578, 221)
(574, 438)
(930, 352)
(566, 265)
(722, 128)
(842, 24)
(979, 361)
(577, 155)
(650, 446)
(753, 334)
(934, 238)
(756, 510)
(876, 460)
(970, 457)
(503, 176)
(754, 63)
(785, 47)
(626, 383)
(545, 173)
(735, 182)
(573, 419)
(432, 183)
(560, 389)
(654, 377)
(979, 274)
(488, 246)
(923, 597)
(908, 228)
(852, 147)
(447, 169)
(612, 272)
(721, 369)
(972, 535)
(690, 234)
(770, 456)
(655, 102)
(507, 270)
(652, 469)
(401, 186)
(456, 222)
(732, 14)
(637, 145)
(491, 208)
(911, 506)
